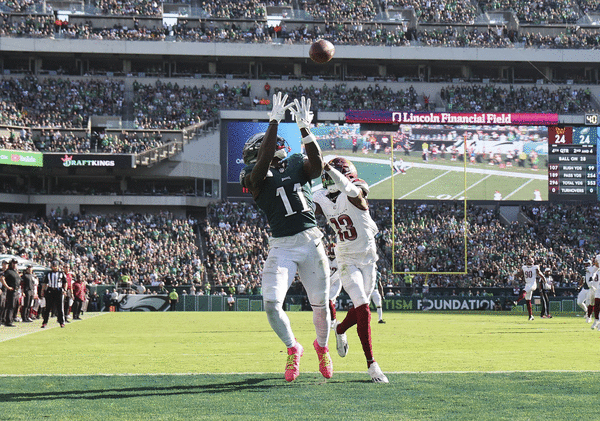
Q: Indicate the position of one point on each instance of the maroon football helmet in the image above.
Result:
(345, 167)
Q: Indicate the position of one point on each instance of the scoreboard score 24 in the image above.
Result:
(572, 163)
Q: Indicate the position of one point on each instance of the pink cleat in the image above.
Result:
(325, 364)
(292, 367)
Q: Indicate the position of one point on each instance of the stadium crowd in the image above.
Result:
(158, 250)
(541, 12)
(169, 106)
(57, 102)
(150, 249)
(429, 238)
(481, 98)
(430, 11)
(343, 23)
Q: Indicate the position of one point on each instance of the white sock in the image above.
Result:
(280, 323)
(322, 322)
(380, 313)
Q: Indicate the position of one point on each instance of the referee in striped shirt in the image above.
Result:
(53, 289)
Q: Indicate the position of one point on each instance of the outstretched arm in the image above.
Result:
(304, 116)
(355, 193)
(266, 152)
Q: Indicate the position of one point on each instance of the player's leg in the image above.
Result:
(378, 301)
(595, 301)
(586, 296)
(359, 285)
(314, 274)
(528, 295)
(278, 275)
(544, 312)
(582, 299)
(334, 290)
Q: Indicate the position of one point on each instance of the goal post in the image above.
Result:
(402, 271)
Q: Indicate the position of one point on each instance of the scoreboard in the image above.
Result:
(572, 163)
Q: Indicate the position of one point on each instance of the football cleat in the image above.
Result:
(325, 364)
(292, 367)
(588, 319)
(376, 374)
(530, 317)
(595, 324)
(341, 342)
(381, 321)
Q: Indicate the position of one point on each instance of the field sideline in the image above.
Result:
(229, 366)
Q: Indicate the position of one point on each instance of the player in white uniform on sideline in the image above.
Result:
(585, 298)
(531, 274)
(377, 297)
(346, 209)
(398, 165)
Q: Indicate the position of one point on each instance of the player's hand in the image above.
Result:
(302, 113)
(277, 113)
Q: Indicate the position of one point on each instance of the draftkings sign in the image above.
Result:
(66, 160)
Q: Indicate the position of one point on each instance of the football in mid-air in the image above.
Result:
(321, 51)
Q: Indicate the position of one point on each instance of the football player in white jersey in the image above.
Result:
(585, 298)
(531, 274)
(345, 206)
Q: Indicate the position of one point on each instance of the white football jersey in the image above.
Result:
(530, 273)
(590, 271)
(355, 229)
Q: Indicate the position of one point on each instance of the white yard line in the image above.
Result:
(423, 185)
(471, 186)
(24, 329)
(514, 191)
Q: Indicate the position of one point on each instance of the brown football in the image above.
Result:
(321, 51)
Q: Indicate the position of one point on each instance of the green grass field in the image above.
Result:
(445, 179)
(229, 366)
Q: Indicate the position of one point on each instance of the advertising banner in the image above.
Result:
(411, 117)
(23, 158)
(65, 160)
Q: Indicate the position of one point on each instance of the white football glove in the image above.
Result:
(302, 113)
(277, 113)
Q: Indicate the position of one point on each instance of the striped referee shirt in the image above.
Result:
(55, 279)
